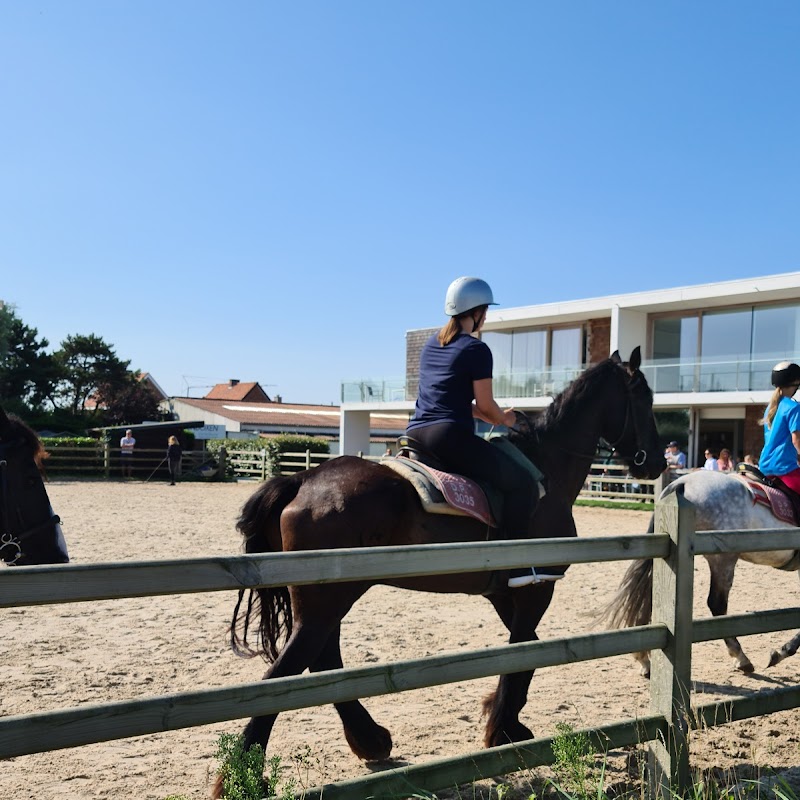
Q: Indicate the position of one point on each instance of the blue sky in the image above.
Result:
(278, 191)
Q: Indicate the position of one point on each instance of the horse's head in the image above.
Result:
(628, 425)
(29, 531)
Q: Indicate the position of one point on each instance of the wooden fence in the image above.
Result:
(610, 482)
(105, 461)
(670, 636)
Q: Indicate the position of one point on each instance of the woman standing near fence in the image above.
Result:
(174, 455)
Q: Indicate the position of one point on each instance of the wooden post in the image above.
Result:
(222, 458)
(308, 459)
(263, 463)
(107, 459)
(671, 668)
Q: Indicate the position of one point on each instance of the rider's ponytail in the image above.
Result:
(450, 331)
(453, 327)
(772, 408)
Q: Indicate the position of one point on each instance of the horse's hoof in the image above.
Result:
(378, 748)
(747, 668)
(515, 732)
(774, 659)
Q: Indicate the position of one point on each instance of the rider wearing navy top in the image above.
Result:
(781, 454)
(455, 370)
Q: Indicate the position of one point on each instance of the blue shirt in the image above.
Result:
(779, 456)
(445, 380)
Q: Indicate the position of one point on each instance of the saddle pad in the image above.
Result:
(774, 499)
(443, 492)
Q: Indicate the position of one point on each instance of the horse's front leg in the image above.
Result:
(521, 611)
(722, 570)
(368, 740)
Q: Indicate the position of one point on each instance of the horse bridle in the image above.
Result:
(7, 536)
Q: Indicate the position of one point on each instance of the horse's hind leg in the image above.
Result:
(368, 740)
(722, 570)
(318, 612)
(521, 613)
(789, 649)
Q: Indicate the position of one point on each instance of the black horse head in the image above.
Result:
(609, 403)
(636, 440)
(29, 531)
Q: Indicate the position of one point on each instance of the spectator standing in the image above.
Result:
(174, 455)
(711, 463)
(725, 461)
(126, 445)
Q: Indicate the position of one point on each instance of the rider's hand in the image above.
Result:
(510, 418)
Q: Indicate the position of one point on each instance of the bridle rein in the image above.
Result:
(8, 538)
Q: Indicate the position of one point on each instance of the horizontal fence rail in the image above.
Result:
(53, 730)
(68, 583)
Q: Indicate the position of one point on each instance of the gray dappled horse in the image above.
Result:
(721, 502)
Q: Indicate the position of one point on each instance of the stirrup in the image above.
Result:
(529, 576)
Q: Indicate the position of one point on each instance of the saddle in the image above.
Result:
(443, 492)
(772, 493)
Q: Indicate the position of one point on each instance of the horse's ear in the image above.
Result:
(615, 357)
(635, 361)
(5, 424)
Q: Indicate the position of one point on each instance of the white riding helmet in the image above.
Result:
(464, 294)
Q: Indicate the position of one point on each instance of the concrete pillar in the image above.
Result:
(353, 432)
(628, 330)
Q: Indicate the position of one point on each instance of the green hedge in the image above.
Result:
(275, 446)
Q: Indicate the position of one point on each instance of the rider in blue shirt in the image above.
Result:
(781, 454)
(455, 370)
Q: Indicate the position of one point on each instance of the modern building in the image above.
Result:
(707, 349)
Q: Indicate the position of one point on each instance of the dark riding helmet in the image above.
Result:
(787, 373)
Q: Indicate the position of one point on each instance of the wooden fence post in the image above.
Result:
(671, 668)
(107, 459)
(308, 459)
(222, 458)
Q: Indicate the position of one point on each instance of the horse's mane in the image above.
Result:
(561, 412)
(562, 409)
(30, 439)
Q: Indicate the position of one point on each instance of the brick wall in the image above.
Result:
(414, 342)
(599, 340)
(753, 436)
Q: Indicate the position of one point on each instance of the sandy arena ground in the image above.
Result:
(61, 656)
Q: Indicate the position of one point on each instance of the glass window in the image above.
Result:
(500, 343)
(565, 348)
(675, 346)
(776, 337)
(725, 350)
(521, 366)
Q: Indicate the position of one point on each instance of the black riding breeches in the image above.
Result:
(462, 452)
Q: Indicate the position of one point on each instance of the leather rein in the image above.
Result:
(8, 539)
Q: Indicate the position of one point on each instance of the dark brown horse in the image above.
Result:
(349, 502)
(29, 531)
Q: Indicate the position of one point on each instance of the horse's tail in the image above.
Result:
(259, 523)
(633, 602)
